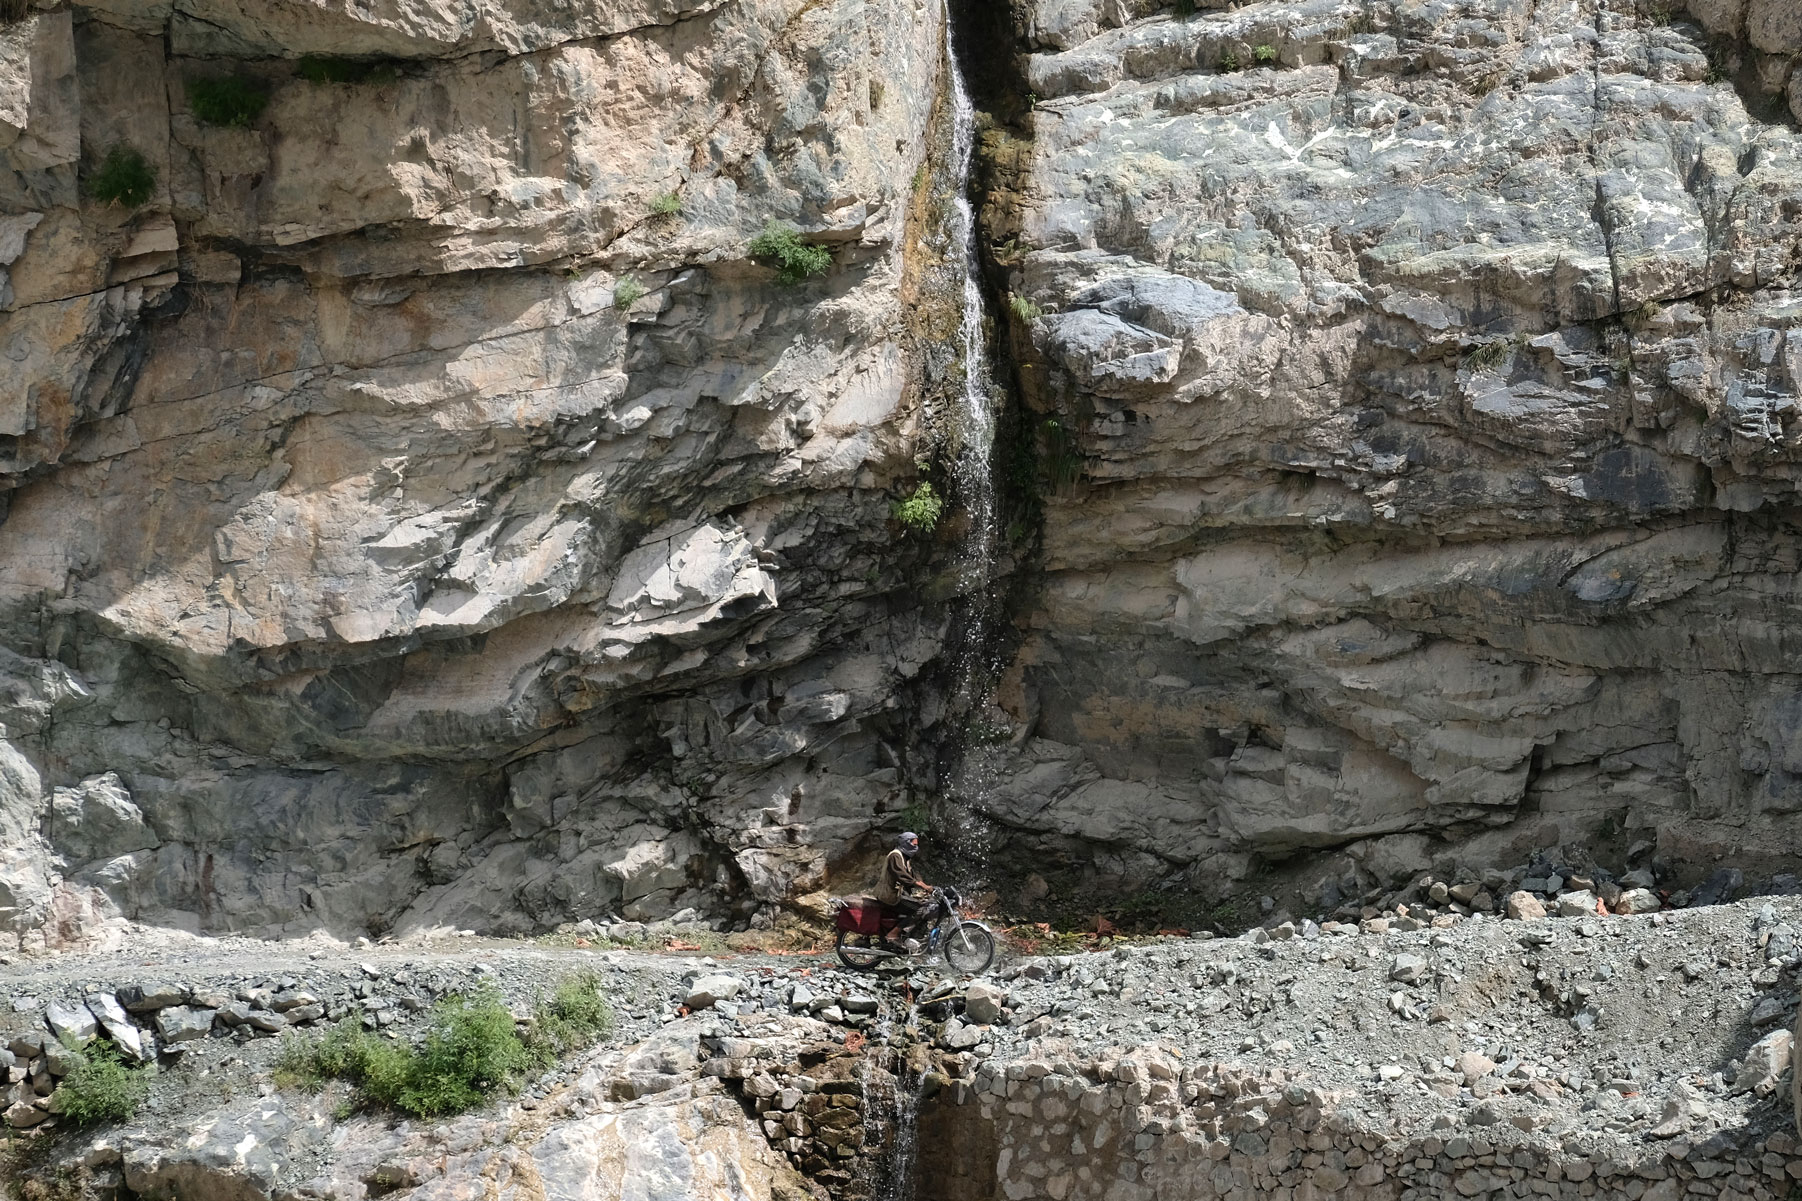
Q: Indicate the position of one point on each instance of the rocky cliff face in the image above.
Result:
(1431, 370)
(420, 509)
(421, 505)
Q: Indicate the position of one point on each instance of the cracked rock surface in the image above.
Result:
(420, 512)
(1430, 370)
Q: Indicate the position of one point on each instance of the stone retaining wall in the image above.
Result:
(831, 1107)
(1150, 1126)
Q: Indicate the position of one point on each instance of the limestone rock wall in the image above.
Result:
(403, 522)
(421, 511)
(1418, 386)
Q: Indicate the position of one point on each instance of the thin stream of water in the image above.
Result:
(973, 467)
(891, 1085)
(891, 1092)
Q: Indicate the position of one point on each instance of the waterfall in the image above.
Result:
(973, 467)
(976, 419)
(891, 1094)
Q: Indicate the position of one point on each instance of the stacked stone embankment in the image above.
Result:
(1147, 1126)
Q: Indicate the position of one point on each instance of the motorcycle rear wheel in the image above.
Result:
(970, 948)
(854, 949)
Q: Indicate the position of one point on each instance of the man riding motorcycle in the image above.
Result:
(900, 891)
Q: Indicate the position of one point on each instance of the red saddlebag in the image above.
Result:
(860, 915)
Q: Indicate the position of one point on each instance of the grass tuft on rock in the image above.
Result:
(1489, 356)
(627, 293)
(100, 1088)
(472, 1050)
(1023, 308)
(230, 102)
(794, 259)
(123, 178)
(669, 204)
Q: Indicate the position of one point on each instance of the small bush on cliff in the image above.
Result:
(667, 205)
(230, 102)
(626, 293)
(795, 260)
(1263, 55)
(101, 1088)
(472, 1049)
(921, 511)
(1229, 61)
(123, 178)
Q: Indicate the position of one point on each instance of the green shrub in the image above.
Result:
(626, 293)
(921, 511)
(1229, 61)
(1264, 54)
(321, 68)
(231, 102)
(666, 205)
(101, 1088)
(795, 260)
(576, 1016)
(1023, 308)
(471, 1050)
(123, 178)
(914, 816)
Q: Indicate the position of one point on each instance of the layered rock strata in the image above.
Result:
(1419, 383)
(420, 510)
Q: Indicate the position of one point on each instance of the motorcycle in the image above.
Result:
(863, 926)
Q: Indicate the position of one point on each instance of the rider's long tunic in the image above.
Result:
(897, 879)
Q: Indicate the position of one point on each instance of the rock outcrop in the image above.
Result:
(1431, 373)
(419, 510)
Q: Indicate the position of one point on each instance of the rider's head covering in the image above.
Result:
(909, 843)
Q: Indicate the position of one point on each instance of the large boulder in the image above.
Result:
(1524, 906)
(983, 1002)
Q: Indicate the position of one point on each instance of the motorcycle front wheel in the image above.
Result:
(854, 950)
(970, 948)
